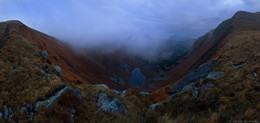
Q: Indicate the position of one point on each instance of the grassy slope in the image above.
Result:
(27, 86)
(236, 96)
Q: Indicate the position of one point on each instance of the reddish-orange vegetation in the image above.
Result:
(158, 95)
(87, 68)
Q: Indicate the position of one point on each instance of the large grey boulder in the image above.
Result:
(56, 97)
(199, 73)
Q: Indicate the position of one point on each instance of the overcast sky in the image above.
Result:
(139, 23)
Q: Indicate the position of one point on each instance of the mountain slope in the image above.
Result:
(80, 68)
(205, 46)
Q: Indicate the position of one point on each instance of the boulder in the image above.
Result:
(199, 73)
(56, 97)
(45, 54)
(104, 103)
(214, 75)
(58, 70)
(117, 106)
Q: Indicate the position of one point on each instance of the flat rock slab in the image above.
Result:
(199, 73)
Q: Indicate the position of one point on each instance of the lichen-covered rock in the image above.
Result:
(104, 103)
(215, 75)
(45, 54)
(199, 73)
(56, 97)
(117, 106)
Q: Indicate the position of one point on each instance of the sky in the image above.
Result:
(136, 24)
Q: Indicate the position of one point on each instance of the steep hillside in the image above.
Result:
(78, 68)
(206, 46)
(228, 94)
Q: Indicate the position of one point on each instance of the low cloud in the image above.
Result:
(139, 25)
